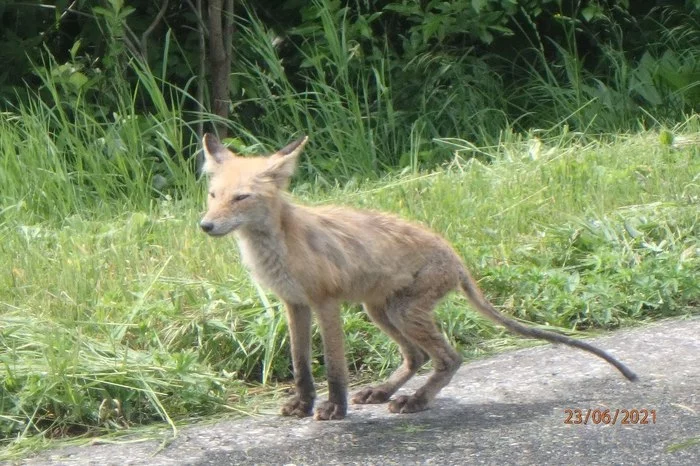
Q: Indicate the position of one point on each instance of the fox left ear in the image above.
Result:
(283, 163)
(214, 152)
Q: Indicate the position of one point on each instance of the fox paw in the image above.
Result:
(408, 404)
(370, 395)
(329, 411)
(297, 407)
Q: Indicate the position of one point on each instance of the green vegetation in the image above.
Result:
(133, 305)
(554, 144)
(379, 80)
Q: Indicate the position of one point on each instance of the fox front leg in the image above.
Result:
(299, 322)
(331, 326)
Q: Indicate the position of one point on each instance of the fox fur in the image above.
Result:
(315, 258)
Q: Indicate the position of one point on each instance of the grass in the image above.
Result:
(117, 314)
(374, 105)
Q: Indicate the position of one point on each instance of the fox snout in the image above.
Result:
(206, 226)
(219, 227)
(214, 228)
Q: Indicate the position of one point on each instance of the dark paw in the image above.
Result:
(329, 411)
(370, 395)
(408, 404)
(297, 407)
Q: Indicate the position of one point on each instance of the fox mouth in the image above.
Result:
(217, 234)
(212, 229)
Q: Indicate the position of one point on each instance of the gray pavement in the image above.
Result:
(507, 409)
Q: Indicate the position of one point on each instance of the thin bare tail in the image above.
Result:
(473, 293)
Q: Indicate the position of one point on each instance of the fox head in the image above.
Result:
(244, 192)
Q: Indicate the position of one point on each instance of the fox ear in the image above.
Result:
(283, 163)
(215, 153)
(292, 149)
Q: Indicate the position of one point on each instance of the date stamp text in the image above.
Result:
(610, 416)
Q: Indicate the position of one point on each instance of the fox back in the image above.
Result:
(303, 253)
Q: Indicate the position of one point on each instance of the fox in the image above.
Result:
(316, 258)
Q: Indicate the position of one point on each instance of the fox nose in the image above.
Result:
(206, 226)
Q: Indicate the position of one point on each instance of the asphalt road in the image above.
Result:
(507, 409)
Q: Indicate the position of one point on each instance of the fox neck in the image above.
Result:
(264, 252)
(270, 229)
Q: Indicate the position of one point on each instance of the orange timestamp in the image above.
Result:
(610, 416)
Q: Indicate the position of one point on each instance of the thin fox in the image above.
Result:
(315, 258)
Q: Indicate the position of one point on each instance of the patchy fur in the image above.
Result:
(314, 258)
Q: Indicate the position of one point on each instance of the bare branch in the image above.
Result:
(201, 81)
(131, 42)
(200, 16)
(151, 28)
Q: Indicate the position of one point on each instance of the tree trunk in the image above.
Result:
(220, 55)
(201, 81)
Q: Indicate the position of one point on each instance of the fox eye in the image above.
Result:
(240, 197)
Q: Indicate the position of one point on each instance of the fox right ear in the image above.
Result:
(293, 149)
(214, 152)
(281, 164)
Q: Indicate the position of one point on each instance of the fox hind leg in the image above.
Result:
(407, 317)
(420, 327)
(411, 311)
(413, 359)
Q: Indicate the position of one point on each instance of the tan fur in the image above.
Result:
(315, 258)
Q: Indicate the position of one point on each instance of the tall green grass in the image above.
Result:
(63, 154)
(346, 113)
(622, 89)
(373, 106)
(368, 111)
